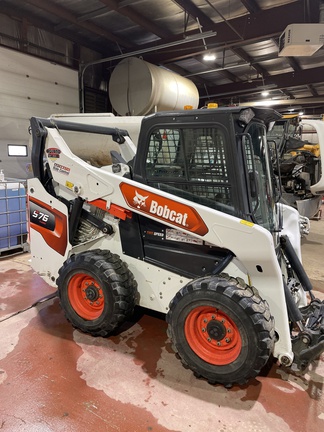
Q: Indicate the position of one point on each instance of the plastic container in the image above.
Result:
(13, 216)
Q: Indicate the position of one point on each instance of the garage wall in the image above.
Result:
(30, 87)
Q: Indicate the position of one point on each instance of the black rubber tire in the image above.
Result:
(116, 285)
(251, 320)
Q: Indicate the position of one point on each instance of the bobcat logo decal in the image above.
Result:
(139, 200)
(166, 209)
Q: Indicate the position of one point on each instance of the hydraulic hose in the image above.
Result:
(293, 311)
(296, 265)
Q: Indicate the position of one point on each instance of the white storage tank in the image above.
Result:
(137, 87)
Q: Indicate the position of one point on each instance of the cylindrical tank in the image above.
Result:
(139, 88)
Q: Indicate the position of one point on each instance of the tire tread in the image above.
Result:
(116, 274)
(252, 305)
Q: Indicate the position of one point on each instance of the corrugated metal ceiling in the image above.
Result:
(246, 44)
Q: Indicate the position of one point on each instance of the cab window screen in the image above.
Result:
(191, 163)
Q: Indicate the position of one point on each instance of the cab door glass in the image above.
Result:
(192, 163)
(263, 201)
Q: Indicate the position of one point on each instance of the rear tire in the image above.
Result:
(97, 291)
(223, 331)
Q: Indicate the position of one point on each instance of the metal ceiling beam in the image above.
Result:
(183, 72)
(70, 35)
(70, 17)
(294, 64)
(97, 13)
(287, 93)
(216, 68)
(244, 56)
(137, 18)
(260, 26)
(282, 81)
(264, 57)
(187, 39)
(123, 3)
(312, 90)
(228, 23)
(227, 74)
(19, 15)
(253, 62)
(311, 10)
(251, 6)
(191, 9)
(288, 102)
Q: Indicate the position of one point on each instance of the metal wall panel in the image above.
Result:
(30, 87)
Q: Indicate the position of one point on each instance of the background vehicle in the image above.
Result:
(299, 148)
(186, 224)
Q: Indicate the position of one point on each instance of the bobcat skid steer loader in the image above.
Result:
(187, 223)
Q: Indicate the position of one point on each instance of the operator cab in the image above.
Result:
(215, 158)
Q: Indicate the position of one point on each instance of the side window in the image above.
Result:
(258, 163)
(208, 159)
(191, 163)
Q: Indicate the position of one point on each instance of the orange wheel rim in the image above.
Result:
(213, 335)
(86, 296)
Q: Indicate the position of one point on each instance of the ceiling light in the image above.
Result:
(209, 57)
(295, 108)
(301, 113)
(268, 102)
(265, 93)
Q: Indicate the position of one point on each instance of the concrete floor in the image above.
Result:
(54, 378)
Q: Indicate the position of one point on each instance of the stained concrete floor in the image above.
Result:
(54, 378)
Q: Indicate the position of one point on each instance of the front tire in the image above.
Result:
(221, 330)
(97, 291)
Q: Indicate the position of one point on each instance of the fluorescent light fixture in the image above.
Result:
(268, 102)
(209, 57)
(265, 93)
(295, 108)
(261, 103)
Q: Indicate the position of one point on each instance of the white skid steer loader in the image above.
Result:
(188, 223)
